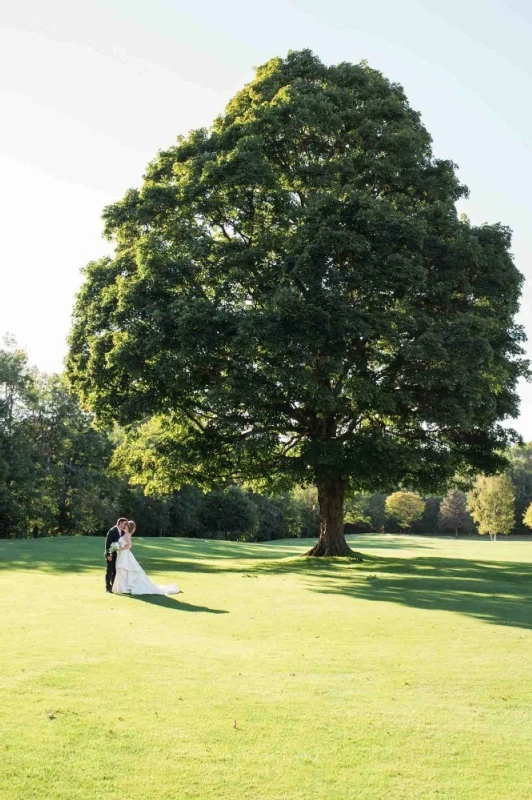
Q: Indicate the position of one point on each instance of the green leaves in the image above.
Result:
(406, 507)
(52, 462)
(453, 512)
(491, 503)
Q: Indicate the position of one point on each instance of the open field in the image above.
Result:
(406, 676)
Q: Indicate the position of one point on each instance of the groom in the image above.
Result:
(112, 536)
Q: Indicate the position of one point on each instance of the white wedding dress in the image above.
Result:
(131, 578)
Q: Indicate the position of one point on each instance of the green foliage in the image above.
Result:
(273, 519)
(19, 472)
(491, 503)
(54, 466)
(75, 457)
(428, 522)
(356, 510)
(520, 473)
(454, 515)
(293, 299)
(527, 517)
(365, 512)
(51, 459)
(405, 507)
(377, 511)
(183, 512)
(305, 511)
(229, 514)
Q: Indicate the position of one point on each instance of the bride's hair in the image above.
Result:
(131, 526)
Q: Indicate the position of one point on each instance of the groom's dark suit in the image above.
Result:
(112, 536)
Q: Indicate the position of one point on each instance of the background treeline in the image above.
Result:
(57, 478)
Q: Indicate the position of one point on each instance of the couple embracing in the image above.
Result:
(124, 575)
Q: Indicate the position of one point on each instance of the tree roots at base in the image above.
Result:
(324, 549)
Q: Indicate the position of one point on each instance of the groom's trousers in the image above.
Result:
(110, 573)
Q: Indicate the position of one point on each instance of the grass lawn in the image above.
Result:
(271, 677)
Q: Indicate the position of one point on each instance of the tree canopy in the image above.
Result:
(520, 472)
(406, 507)
(527, 516)
(293, 299)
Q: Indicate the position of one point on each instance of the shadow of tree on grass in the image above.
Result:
(78, 554)
(83, 554)
(496, 592)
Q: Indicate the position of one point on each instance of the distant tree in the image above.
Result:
(21, 505)
(527, 518)
(74, 457)
(305, 511)
(453, 512)
(273, 517)
(183, 512)
(357, 510)
(150, 512)
(229, 514)
(405, 507)
(492, 506)
(520, 473)
(377, 511)
(428, 522)
(53, 463)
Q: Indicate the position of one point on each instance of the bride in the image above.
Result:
(130, 577)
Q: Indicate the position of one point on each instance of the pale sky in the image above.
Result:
(90, 90)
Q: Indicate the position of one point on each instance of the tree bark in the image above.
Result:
(332, 540)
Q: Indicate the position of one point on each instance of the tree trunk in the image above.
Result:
(332, 540)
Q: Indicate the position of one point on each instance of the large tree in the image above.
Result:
(293, 299)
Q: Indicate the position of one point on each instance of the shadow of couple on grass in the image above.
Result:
(172, 602)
